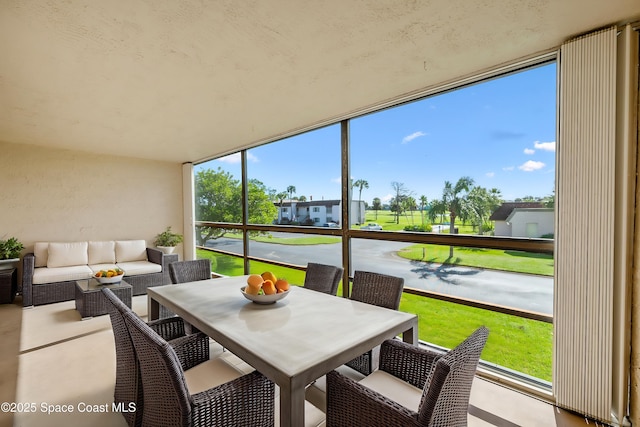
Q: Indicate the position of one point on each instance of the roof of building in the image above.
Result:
(309, 203)
(503, 212)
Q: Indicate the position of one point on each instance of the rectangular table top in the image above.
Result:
(293, 341)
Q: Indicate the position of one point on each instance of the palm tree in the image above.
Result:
(361, 184)
(454, 198)
(291, 191)
(423, 203)
(280, 196)
(409, 204)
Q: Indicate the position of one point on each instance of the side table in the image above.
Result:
(89, 299)
(8, 285)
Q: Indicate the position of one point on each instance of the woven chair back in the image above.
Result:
(323, 278)
(190, 270)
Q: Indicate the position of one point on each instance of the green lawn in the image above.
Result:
(387, 220)
(496, 259)
(516, 343)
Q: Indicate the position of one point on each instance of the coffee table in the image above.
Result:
(89, 299)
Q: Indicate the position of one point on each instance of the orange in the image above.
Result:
(268, 287)
(282, 285)
(251, 290)
(255, 281)
(267, 275)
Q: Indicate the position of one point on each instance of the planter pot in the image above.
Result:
(7, 264)
(166, 249)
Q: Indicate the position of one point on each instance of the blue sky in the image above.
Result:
(501, 133)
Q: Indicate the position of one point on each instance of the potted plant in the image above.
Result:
(10, 252)
(167, 240)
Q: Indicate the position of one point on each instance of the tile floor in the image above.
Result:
(50, 357)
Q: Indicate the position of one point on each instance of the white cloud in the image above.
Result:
(531, 166)
(413, 136)
(235, 158)
(546, 146)
(490, 174)
(386, 198)
(529, 151)
(508, 168)
(337, 180)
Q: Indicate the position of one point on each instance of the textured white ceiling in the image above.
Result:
(186, 80)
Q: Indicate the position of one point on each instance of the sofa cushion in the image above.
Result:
(102, 252)
(67, 254)
(97, 267)
(41, 253)
(60, 274)
(131, 250)
(135, 268)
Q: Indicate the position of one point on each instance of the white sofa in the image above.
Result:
(50, 272)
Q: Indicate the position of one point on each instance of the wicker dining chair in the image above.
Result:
(376, 289)
(244, 401)
(191, 350)
(186, 271)
(190, 270)
(435, 387)
(323, 278)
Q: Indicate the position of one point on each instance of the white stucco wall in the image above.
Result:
(521, 218)
(61, 195)
(501, 228)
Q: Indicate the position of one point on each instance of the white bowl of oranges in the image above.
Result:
(265, 288)
(111, 276)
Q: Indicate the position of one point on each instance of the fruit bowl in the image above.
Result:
(105, 277)
(264, 298)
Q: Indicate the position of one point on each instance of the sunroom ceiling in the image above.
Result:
(186, 80)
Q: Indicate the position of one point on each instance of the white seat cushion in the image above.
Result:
(139, 267)
(131, 250)
(102, 252)
(394, 388)
(317, 391)
(41, 253)
(97, 267)
(67, 254)
(61, 274)
(210, 374)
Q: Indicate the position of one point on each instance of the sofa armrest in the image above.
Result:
(28, 266)
(154, 256)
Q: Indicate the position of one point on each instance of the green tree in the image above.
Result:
(423, 204)
(218, 198)
(396, 204)
(409, 204)
(481, 203)
(360, 184)
(454, 198)
(291, 190)
(280, 197)
(377, 205)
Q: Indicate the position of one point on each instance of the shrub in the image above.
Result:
(419, 228)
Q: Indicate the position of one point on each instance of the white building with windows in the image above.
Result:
(317, 212)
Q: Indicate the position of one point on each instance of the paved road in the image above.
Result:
(522, 291)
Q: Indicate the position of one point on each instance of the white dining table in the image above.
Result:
(293, 341)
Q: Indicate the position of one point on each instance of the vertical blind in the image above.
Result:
(589, 202)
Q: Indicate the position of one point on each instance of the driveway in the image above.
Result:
(521, 291)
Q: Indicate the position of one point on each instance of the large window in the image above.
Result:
(453, 192)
